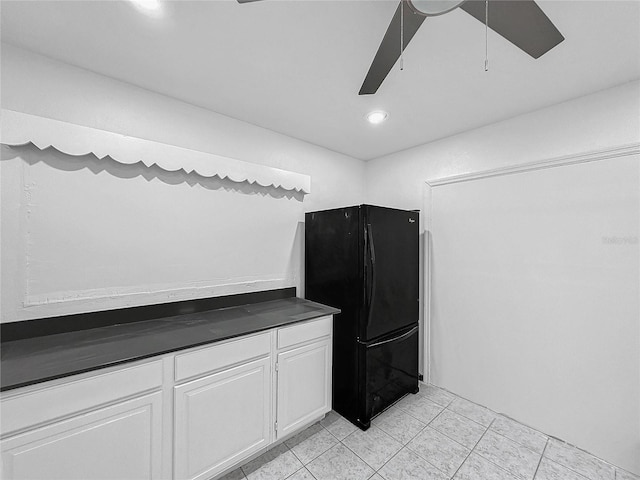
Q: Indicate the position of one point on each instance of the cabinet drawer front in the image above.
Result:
(48, 403)
(304, 332)
(212, 358)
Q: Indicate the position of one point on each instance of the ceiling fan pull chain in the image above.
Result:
(401, 34)
(486, 35)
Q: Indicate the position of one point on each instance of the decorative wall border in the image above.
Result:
(22, 129)
(574, 159)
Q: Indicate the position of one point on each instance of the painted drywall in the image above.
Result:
(97, 232)
(38, 85)
(598, 121)
(94, 234)
(535, 278)
(603, 120)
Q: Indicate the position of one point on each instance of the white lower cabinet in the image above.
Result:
(221, 419)
(191, 415)
(303, 367)
(121, 441)
(304, 385)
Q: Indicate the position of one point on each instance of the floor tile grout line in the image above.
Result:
(470, 419)
(402, 447)
(301, 468)
(394, 456)
(311, 460)
(442, 433)
(400, 441)
(417, 455)
(421, 420)
(540, 461)
(294, 453)
(523, 424)
(450, 438)
(625, 471)
(414, 418)
(430, 397)
(437, 468)
(437, 416)
(544, 455)
(497, 414)
(411, 415)
(356, 454)
(615, 467)
(472, 450)
(334, 436)
(520, 444)
(515, 475)
(312, 475)
(570, 467)
(487, 428)
(283, 444)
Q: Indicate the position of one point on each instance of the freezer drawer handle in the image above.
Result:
(407, 334)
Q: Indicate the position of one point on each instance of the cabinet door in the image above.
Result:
(304, 385)
(122, 441)
(221, 419)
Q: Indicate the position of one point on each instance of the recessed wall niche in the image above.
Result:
(102, 220)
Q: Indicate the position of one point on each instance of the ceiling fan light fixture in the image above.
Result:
(376, 117)
(432, 8)
(152, 8)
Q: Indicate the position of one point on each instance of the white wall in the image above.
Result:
(603, 120)
(104, 228)
(534, 291)
(38, 85)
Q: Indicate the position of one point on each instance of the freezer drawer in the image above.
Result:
(390, 369)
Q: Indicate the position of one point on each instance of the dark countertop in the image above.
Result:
(34, 360)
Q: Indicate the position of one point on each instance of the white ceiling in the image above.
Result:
(295, 67)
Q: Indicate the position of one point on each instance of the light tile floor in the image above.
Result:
(433, 435)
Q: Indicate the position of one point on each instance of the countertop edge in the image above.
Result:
(325, 310)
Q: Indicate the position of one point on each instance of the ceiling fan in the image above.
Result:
(522, 22)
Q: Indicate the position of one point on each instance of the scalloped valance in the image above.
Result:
(21, 129)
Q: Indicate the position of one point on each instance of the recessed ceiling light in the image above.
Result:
(150, 7)
(377, 117)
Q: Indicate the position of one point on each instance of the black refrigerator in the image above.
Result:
(364, 261)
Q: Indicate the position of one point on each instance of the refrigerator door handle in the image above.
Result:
(371, 260)
(395, 339)
(367, 269)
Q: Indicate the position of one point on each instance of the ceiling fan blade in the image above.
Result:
(247, 1)
(522, 22)
(389, 50)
